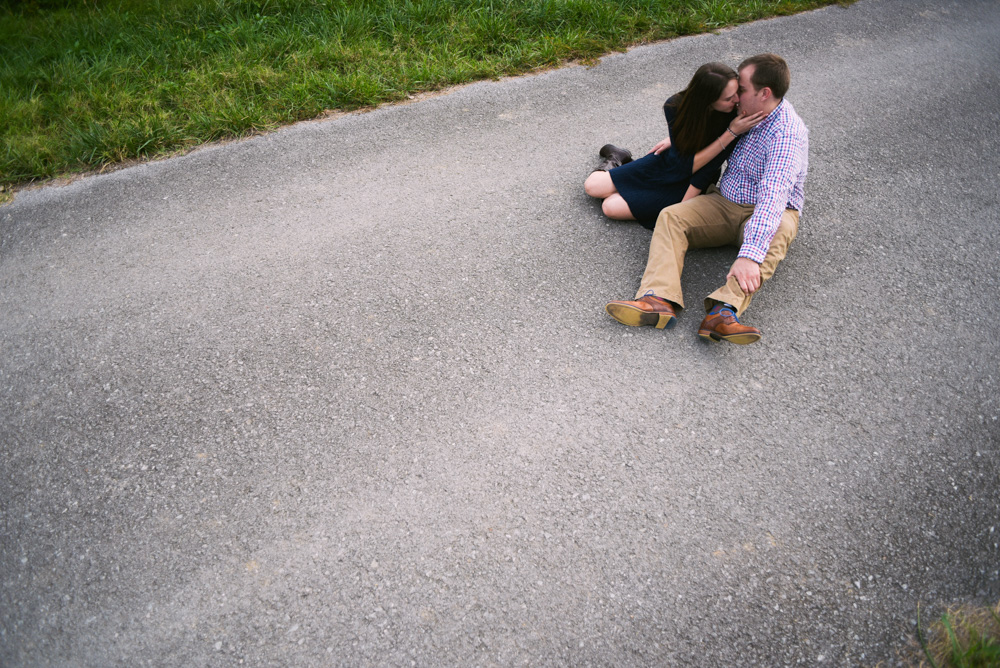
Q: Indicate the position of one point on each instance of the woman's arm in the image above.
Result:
(691, 192)
(738, 126)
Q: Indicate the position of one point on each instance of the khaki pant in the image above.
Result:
(707, 221)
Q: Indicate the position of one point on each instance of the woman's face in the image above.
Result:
(727, 101)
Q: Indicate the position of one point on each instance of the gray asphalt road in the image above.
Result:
(346, 393)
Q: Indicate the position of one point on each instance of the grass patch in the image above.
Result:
(965, 637)
(89, 83)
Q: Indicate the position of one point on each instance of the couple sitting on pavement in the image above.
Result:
(755, 206)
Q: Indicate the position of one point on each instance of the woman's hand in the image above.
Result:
(661, 146)
(742, 124)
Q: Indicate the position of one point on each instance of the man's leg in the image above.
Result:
(705, 221)
(731, 293)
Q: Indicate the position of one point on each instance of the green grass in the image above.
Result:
(965, 637)
(85, 84)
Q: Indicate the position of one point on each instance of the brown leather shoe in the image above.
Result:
(721, 325)
(647, 310)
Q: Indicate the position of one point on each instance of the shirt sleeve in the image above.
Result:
(782, 163)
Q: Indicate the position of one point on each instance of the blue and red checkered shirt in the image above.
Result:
(768, 169)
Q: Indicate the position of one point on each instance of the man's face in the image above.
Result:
(751, 100)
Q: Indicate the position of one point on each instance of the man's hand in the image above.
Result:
(747, 273)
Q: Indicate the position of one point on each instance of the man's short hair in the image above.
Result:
(770, 71)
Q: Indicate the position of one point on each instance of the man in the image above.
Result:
(756, 206)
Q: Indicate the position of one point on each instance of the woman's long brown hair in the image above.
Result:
(697, 124)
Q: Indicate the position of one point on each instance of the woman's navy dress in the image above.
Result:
(654, 182)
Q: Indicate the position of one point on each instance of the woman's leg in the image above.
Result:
(599, 184)
(616, 208)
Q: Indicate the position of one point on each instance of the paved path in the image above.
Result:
(346, 394)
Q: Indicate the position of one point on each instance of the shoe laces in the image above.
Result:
(649, 293)
(720, 308)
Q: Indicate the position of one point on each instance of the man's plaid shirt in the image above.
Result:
(768, 169)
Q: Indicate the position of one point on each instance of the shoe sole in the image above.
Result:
(636, 317)
(738, 339)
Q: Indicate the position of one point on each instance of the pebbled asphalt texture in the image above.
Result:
(345, 393)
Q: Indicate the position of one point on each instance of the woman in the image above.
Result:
(703, 127)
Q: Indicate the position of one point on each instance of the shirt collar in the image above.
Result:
(771, 118)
